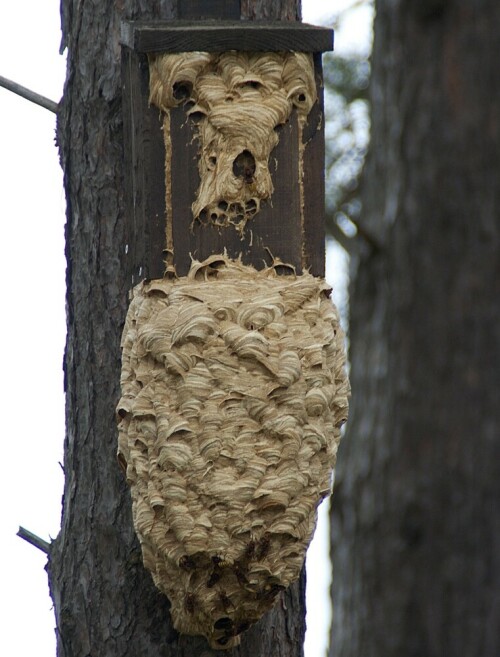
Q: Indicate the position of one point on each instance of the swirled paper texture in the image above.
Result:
(234, 391)
(238, 100)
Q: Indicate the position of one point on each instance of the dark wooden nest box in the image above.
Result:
(288, 227)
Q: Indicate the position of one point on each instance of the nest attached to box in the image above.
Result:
(233, 394)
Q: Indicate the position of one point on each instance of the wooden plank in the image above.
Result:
(201, 9)
(154, 191)
(215, 36)
(314, 181)
(277, 227)
(185, 181)
(144, 156)
(135, 248)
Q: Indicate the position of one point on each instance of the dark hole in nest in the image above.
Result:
(251, 206)
(157, 294)
(213, 579)
(197, 116)
(301, 98)
(187, 563)
(182, 89)
(236, 208)
(244, 166)
(215, 265)
(284, 270)
(254, 84)
(122, 462)
(224, 623)
(222, 205)
(203, 216)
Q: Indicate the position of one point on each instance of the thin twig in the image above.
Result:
(366, 235)
(338, 234)
(33, 539)
(349, 243)
(38, 99)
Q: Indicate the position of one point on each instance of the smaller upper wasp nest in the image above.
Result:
(238, 100)
(234, 391)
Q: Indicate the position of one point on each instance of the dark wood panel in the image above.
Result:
(278, 230)
(132, 103)
(211, 36)
(154, 192)
(199, 9)
(185, 181)
(277, 227)
(314, 181)
(144, 157)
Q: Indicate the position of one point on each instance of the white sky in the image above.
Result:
(32, 327)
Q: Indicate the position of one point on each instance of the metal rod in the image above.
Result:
(34, 540)
(38, 99)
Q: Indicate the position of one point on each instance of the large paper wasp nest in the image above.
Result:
(238, 100)
(234, 391)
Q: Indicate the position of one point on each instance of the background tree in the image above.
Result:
(347, 136)
(415, 518)
(105, 602)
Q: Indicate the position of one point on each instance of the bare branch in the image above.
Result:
(366, 235)
(347, 243)
(34, 540)
(32, 96)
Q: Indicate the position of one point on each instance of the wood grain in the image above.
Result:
(313, 253)
(200, 9)
(211, 36)
(144, 155)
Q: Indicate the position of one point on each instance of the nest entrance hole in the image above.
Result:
(244, 166)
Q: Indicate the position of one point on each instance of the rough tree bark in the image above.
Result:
(416, 523)
(105, 602)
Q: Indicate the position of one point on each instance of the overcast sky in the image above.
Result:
(32, 327)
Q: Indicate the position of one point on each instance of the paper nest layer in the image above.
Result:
(233, 394)
(238, 100)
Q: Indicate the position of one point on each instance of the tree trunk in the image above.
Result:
(416, 527)
(105, 602)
